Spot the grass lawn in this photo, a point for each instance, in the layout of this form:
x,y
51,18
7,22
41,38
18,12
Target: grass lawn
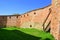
x,y
24,34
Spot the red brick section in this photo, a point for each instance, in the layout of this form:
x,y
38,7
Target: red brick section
x,y
55,22
3,21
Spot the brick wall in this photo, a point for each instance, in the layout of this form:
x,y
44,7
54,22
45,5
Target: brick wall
x,y
55,22
9,20
35,18
3,21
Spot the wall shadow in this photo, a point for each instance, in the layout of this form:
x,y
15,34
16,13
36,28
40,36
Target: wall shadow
x,y
16,35
47,39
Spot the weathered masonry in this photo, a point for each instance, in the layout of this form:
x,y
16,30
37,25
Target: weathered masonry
x,y
31,19
55,21
47,19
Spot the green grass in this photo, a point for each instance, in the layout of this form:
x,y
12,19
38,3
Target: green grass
x,y
24,34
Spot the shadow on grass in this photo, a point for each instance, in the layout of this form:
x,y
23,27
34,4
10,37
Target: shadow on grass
x,y
16,35
47,39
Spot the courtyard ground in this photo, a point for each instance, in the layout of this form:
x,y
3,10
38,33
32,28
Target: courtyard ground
x,y
24,34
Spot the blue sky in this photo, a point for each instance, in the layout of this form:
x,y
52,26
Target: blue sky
x,y
9,7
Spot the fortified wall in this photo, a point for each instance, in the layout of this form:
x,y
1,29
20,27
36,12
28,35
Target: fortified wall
x,y
33,19
55,21
47,19
8,20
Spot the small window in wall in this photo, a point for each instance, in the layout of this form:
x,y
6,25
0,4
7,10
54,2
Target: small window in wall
x,y
34,12
24,15
27,15
10,17
30,25
17,16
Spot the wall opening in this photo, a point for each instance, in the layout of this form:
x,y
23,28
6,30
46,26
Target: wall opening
x,y
30,25
27,15
10,17
34,12
17,16
24,15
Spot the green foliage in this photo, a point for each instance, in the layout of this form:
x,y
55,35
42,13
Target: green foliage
x,y
24,34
